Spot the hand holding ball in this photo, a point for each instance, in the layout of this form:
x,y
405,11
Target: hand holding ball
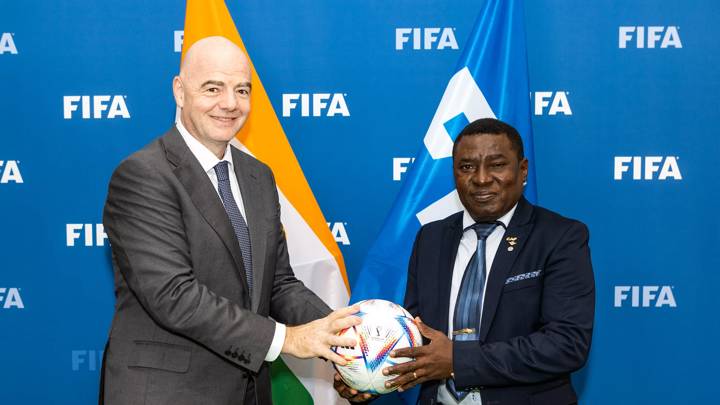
x,y
385,326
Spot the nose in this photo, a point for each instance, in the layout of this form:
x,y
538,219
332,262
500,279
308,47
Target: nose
x,y
229,101
482,175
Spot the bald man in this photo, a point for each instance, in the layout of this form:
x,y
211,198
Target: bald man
x,y
200,259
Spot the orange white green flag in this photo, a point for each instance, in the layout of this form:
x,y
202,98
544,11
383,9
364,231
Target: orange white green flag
x,y
314,254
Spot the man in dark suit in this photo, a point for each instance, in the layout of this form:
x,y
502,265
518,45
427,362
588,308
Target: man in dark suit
x,y
512,329
200,258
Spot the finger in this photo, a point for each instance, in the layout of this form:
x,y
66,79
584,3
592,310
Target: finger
x,y
418,377
409,352
338,382
339,386
399,369
425,330
360,397
411,384
399,381
343,312
334,357
344,323
341,341
345,391
342,390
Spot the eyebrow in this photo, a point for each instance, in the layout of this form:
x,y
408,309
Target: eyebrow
x,y
474,157
220,84
212,82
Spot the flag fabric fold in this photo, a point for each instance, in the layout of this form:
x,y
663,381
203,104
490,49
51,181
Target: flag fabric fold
x,y
491,81
314,254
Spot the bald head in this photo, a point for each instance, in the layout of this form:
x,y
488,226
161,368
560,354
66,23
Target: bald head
x,y
212,51
213,92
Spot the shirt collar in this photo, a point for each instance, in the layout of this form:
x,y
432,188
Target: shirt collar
x,y
505,219
207,159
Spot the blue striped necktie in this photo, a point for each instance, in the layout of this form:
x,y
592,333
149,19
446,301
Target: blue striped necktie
x,y
468,307
238,222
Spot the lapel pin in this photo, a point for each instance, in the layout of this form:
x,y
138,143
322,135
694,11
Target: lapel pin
x,y
512,241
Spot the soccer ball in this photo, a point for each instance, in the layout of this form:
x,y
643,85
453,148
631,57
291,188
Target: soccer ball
x,y
385,326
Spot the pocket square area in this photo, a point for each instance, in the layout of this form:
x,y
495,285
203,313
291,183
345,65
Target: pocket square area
x,y
523,276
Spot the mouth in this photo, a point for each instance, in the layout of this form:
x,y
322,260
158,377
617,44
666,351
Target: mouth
x,y
483,196
224,120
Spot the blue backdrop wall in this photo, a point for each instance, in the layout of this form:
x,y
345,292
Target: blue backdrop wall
x,y
625,96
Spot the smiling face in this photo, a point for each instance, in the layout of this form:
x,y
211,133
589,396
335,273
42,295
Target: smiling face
x,y
488,175
213,92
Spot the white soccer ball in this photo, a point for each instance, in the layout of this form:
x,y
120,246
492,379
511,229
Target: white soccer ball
x,y
385,326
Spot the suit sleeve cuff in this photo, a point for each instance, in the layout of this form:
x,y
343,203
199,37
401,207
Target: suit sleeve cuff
x,y
277,342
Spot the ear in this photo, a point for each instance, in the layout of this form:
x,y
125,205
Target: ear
x,y
178,91
524,169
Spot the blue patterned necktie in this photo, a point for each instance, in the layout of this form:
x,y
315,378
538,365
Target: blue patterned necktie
x,y
468,307
238,222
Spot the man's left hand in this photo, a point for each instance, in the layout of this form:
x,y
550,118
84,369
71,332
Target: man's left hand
x,y
348,393
432,362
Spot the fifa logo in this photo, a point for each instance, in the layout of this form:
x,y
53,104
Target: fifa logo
x,y
10,298
7,44
648,37
648,167
425,38
178,40
644,296
321,104
400,166
102,107
10,172
92,234
86,360
339,232
556,101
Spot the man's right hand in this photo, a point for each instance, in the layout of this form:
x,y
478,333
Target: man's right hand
x,y
315,338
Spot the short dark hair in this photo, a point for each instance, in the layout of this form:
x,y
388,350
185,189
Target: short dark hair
x,y
492,126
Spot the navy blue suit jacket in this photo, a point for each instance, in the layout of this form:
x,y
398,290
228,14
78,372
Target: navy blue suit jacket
x,y
538,311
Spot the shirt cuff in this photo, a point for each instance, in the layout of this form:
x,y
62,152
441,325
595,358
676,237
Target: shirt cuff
x,y
277,342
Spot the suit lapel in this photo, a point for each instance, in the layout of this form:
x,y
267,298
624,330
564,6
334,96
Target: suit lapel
x,y
249,189
448,250
519,228
203,195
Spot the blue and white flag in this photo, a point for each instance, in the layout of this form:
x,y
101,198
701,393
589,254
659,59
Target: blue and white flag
x,y
491,81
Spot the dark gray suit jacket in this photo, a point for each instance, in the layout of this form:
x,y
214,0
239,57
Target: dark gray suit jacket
x,y
185,330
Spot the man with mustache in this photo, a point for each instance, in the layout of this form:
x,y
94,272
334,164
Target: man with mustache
x,y
503,290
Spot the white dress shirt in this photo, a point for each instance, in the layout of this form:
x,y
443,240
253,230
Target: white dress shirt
x,y
208,161
468,246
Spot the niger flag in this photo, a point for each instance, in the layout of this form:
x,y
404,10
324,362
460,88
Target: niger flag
x,y
314,255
